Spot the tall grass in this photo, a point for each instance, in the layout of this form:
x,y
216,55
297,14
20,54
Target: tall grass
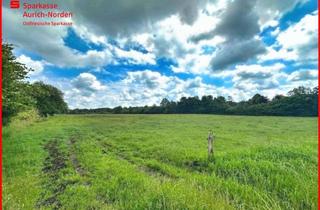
x,y
160,162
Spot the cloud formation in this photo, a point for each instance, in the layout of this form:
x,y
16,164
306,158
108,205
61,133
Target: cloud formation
x,y
239,26
239,22
48,42
36,66
236,52
302,37
304,75
87,84
123,17
239,47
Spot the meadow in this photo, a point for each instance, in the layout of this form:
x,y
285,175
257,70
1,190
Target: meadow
x,y
160,162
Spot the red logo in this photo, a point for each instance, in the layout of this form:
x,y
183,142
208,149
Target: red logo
x,y
14,4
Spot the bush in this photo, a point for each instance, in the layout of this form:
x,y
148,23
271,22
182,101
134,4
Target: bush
x,y
26,118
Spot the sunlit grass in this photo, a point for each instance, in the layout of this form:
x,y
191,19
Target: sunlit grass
x,y
160,162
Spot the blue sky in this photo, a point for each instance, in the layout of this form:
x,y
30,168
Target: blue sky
x,y
132,55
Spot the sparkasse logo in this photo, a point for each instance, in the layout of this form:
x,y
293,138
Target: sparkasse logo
x,y
14,4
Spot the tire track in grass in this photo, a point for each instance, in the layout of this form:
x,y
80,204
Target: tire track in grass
x,y
55,168
54,164
74,159
148,168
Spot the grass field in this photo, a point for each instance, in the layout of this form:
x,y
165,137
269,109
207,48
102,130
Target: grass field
x,y
160,162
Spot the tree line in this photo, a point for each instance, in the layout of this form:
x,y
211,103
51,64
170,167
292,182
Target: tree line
x,y
19,95
300,101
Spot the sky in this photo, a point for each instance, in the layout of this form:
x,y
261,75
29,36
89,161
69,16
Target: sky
x,y
134,53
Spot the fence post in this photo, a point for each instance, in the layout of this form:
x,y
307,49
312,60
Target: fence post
x,y
210,145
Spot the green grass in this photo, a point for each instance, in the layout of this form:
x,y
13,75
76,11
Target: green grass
x,y
160,162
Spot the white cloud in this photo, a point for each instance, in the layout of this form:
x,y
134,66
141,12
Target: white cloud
x,y
254,78
302,37
37,66
137,88
303,75
149,87
135,57
258,71
123,17
87,84
87,35
273,54
272,10
171,39
298,42
193,63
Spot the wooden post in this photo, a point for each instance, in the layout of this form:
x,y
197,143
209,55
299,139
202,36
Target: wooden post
x,y
210,145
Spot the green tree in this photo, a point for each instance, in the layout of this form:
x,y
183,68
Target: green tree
x,y
49,99
258,99
299,91
15,89
164,103
206,104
